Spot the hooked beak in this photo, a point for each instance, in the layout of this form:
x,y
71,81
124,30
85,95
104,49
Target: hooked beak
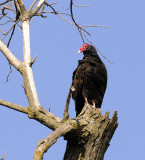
x,y
79,51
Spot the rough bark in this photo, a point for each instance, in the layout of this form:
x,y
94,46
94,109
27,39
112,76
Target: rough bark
x,y
91,140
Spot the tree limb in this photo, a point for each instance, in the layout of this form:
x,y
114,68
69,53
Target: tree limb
x,y
10,28
8,54
45,144
66,114
32,5
14,106
48,119
3,157
5,2
26,69
95,26
36,9
21,6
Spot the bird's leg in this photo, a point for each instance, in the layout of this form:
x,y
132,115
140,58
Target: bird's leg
x,y
86,100
93,106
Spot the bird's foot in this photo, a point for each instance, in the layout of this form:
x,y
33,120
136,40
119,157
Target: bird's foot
x,y
92,106
86,101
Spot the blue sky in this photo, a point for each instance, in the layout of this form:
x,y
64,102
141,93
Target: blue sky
x,y
56,43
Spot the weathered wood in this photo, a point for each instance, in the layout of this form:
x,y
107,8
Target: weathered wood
x,y
92,137
46,143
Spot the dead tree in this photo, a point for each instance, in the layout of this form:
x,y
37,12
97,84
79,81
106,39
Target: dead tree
x,y
88,136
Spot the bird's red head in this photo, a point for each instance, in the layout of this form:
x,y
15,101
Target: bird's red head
x,y
85,47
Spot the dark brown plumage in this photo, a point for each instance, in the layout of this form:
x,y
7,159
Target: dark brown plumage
x,y
89,79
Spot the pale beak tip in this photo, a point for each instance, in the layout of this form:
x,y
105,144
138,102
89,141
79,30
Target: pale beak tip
x,y
79,52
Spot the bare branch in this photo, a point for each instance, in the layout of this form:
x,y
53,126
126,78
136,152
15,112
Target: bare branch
x,y
13,20
58,13
8,54
32,5
71,11
14,106
104,56
44,117
10,71
33,60
2,32
38,6
3,157
5,2
8,8
95,26
21,6
53,3
66,20
6,22
17,5
66,114
97,48
82,5
10,29
46,143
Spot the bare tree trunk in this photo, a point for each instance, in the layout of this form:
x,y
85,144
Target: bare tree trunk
x,y
92,137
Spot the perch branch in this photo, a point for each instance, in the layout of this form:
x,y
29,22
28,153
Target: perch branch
x,y
45,144
14,106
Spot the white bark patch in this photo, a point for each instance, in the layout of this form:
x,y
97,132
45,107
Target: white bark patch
x,y
27,60
32,86
40,3
26,42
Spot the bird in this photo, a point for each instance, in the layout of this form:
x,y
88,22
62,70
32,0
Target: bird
x,y
89,80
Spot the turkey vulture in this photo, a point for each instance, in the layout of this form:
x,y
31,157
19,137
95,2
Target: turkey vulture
x,y
89,79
